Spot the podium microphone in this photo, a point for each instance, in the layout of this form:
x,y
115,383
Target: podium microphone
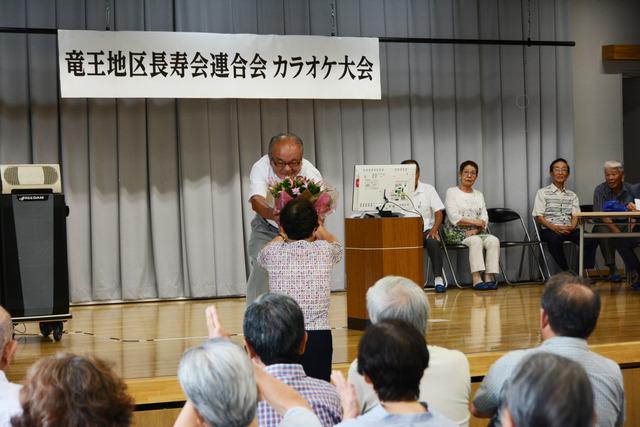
x,y
381,211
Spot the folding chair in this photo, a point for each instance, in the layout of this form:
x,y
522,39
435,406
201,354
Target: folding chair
x,y
506,215
537,229
446,248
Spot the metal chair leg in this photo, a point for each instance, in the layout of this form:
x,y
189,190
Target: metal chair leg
x,y
506,279
453,273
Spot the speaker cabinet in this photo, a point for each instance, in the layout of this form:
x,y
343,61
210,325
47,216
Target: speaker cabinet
x,y
33,254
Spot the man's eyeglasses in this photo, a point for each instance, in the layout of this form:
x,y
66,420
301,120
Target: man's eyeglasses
x,y
469,173
279,163
559,170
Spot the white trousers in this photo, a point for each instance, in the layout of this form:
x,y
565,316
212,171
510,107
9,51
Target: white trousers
x,y
477,260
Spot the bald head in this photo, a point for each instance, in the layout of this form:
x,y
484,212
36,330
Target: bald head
x,y
285,154
571,305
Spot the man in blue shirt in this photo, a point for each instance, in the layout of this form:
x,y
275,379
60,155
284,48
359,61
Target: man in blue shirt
x,y
569,314
615,189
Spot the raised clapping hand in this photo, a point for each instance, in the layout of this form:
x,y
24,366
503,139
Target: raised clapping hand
x,y
214,326
347,393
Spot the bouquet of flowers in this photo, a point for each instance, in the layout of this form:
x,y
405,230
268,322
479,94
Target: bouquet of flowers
x,y
322,197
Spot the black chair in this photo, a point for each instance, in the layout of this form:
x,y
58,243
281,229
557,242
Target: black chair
x,y
446,248
506,215
583,208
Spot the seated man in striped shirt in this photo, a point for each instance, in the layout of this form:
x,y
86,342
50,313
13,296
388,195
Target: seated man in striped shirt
x,y
554,210
274,333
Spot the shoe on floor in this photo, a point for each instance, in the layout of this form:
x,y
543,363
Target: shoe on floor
x,y
636,286
615,278
440,289
492,286
481,286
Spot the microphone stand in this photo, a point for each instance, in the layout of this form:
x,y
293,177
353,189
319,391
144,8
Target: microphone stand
x,y
381,211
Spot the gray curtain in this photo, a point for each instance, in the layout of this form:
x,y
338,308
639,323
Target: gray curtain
x,y
158,188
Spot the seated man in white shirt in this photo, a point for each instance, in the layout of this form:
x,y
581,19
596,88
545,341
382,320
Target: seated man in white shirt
x,y
9,392
446,383
427,202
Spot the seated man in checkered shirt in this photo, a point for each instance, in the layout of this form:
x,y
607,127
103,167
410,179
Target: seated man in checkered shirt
x,y
274,333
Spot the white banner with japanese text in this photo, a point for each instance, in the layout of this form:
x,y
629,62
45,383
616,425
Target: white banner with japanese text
x,y
146,64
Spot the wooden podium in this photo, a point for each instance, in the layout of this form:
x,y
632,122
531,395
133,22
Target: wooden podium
x,y
378,247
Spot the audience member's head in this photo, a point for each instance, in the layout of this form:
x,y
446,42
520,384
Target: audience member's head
x,y
71,390
274,329
395,297
299,219
571,306
7,343
613,173
218,379
393,355
547,390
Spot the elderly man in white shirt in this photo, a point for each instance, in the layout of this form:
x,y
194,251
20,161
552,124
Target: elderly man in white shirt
x,y
284,159
426,201
9,392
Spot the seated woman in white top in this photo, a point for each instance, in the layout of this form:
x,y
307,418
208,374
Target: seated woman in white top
x,y
466,223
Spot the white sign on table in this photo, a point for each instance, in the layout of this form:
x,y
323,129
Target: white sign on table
x,y
146,64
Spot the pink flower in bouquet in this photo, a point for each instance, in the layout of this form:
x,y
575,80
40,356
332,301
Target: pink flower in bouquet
x,y
282,200
295,191
324,204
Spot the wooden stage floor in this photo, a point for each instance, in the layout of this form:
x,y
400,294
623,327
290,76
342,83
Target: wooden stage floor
x,y
146,340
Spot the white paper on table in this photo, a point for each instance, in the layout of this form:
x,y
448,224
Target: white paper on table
x,y
637,202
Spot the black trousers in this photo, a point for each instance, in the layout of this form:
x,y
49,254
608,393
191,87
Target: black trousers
x,y
625,248
316,359
554,241
434,252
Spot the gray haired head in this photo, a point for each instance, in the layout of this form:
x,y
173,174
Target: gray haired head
x,y
6,329
217,377
548,390
613,164
274,327
288,136
395,297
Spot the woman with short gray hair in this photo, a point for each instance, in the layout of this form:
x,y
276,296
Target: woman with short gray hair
x,y
222,386
218,379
